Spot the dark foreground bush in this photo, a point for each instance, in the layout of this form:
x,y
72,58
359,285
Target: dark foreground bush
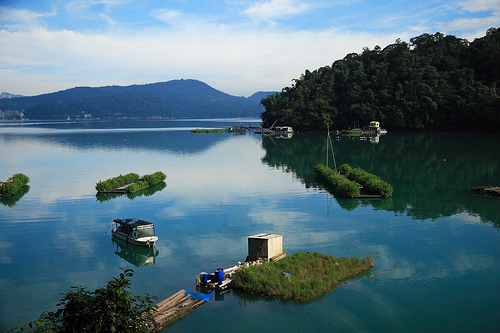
x,y
13,184
336,181
112,308
301,277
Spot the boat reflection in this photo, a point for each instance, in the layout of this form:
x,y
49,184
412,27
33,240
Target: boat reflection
x,y
137,256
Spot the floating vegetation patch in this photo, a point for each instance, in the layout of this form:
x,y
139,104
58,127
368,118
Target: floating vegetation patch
x,y
129,183
372,182
116,182
337,182
13,185
210,131
301,277
351,182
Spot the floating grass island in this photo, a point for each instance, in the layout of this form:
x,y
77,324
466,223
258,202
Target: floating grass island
x,y
210,131
13,185
129,183
148,191
301,277
351,181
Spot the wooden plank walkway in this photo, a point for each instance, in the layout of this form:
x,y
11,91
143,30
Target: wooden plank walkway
x,y
176,307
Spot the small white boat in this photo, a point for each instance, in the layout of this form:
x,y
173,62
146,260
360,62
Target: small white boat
x,y
134,231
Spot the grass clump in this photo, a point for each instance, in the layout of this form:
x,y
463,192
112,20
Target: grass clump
x,y
372,182
136,186
154,178
112,183
13,184
208,131
136,182
337,182
301,277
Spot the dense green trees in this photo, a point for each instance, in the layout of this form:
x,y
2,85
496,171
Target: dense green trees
x,y
434,82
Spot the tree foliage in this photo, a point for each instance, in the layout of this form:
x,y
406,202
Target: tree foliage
x,y
434,82
112,308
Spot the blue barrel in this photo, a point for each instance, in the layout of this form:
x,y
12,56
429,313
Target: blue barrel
x,y
205,278
219,275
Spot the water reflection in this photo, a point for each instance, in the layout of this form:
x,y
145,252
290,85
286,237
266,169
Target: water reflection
x,y
168,136
242,185
431,173
11,200
136,255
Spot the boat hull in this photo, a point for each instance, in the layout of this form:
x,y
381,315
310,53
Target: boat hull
x,y
144,242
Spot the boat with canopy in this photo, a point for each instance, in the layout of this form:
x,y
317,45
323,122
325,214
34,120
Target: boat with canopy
x,y
134,231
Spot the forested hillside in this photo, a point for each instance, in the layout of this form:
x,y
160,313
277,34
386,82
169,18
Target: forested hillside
x,y
176,98
435,82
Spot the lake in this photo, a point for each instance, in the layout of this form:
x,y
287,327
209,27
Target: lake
x,y
442,239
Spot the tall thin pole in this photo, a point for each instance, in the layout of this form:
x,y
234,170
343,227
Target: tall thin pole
x,y
329,144
327,136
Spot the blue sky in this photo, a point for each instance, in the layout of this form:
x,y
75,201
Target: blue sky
x,y
237,46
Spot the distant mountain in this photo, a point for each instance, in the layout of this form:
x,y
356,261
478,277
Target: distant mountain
x,y
258,96
7,95
176,98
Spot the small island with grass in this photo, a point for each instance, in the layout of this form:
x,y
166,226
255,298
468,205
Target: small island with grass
x,y
300,277
13,185
129,183
353,182
210,131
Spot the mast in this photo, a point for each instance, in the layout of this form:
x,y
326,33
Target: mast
x,y
329,144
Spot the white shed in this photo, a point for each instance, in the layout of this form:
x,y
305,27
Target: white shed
x,y
265,246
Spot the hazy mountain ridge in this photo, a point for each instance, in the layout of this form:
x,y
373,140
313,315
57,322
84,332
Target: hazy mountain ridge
x,y
176,98
9,95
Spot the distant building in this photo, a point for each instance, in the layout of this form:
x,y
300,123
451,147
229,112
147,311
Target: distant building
x,y
10,114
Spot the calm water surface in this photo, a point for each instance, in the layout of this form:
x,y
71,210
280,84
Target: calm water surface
x,y
443,239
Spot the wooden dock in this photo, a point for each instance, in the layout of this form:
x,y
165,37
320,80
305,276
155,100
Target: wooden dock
x,y
177,307
487,189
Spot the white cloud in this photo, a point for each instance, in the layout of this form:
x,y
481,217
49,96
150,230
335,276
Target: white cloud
x,y
229,58
480,5
486,15
166,15
21,19
226,50
274,9
80,6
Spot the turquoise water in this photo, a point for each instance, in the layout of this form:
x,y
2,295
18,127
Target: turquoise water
x,y
443,239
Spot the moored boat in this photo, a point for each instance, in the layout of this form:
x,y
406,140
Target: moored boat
x,y
134,231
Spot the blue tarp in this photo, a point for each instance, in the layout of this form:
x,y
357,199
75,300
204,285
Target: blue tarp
x,y
195,295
